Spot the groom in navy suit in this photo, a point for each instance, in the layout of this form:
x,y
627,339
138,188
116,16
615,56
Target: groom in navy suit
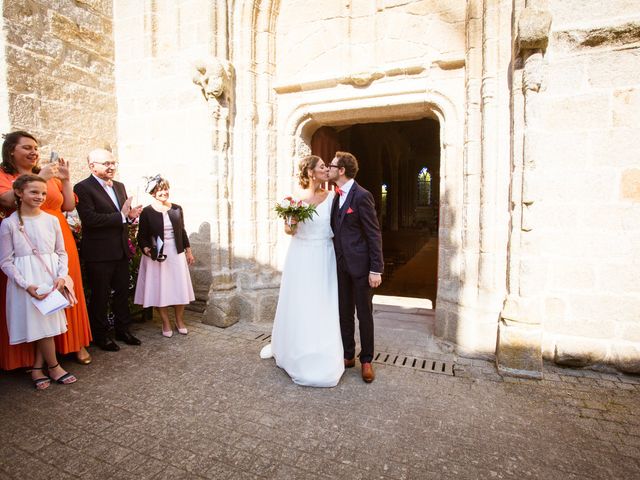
x,y
358,245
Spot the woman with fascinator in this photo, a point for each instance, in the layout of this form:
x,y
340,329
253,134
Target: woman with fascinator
x,y
163,278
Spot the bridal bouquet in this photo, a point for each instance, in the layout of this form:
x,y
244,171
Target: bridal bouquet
x,y
289,209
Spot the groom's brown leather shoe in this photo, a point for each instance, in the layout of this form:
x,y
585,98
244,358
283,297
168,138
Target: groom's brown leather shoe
x,y
367,372
349,363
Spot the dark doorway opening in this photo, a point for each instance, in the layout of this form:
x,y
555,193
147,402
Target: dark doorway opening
x,y
400,166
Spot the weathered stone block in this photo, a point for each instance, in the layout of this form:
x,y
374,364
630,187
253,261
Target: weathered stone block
x,y
626,107
594,35
519,350
577,113
267,308
570,275
440,327
225,309
618,278
24,109
521,310
222,281
451,11
581,187
201,278
81,36
554,310
475,332
629,331
533,278
588,12
573,351
626,356
614,69
596,315
566,76
533,29
447,322
630,185
617,147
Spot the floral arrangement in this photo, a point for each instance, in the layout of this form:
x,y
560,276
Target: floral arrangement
x,y
290,209
74,224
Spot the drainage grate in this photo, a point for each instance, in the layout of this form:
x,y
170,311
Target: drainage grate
x,y
422,364
395,360
263,337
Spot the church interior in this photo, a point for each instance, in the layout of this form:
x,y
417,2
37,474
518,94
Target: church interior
x,y
400,165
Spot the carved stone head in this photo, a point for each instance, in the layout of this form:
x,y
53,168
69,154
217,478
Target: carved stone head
x,y
215,77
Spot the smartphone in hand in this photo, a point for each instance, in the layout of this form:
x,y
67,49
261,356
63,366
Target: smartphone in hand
x,y
54,157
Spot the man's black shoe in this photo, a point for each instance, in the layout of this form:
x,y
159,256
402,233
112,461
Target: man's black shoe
x,y
127,338
107,344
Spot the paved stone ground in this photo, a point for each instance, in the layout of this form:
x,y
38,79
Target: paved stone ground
x,y
205,406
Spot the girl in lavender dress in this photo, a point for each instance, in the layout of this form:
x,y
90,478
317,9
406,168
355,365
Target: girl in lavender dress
x,y
163,278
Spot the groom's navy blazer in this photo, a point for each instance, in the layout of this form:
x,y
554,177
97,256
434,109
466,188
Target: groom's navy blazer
x,y
357,238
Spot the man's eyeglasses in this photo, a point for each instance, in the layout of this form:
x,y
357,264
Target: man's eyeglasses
x,y
334,166
107,164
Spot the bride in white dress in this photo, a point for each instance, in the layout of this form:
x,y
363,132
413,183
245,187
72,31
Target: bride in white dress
x,y
305,340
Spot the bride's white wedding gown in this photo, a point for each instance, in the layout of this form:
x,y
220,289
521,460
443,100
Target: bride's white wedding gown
x,y
306,340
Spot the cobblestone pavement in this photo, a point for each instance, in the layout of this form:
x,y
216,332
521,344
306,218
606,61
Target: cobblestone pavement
x,y
206,406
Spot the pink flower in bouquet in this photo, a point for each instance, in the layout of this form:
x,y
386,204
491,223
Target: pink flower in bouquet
x,y
286,202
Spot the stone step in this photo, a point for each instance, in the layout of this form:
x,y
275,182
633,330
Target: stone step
x,y
405,305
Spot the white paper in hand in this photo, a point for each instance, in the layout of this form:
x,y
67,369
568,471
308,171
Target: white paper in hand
x,y
51,303
159,244
44,288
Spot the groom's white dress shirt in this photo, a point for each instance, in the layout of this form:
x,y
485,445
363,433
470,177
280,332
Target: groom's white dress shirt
x,y
345,191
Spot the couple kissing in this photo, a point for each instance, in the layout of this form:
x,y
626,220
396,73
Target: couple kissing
x,y
333,263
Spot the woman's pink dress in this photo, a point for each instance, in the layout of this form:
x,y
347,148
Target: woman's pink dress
x,y
162,284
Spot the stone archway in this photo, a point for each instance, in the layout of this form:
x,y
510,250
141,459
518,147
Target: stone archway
x,y
305,120
276,116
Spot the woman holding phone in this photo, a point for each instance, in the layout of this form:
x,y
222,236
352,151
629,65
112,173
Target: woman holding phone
x,y
21,155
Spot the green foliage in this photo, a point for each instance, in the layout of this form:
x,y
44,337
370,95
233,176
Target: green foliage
x,y
289,208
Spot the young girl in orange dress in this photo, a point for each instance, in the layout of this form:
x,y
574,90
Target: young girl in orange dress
x,y
20,155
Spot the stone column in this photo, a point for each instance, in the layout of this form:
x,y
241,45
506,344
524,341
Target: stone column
x,y
216,78
519,348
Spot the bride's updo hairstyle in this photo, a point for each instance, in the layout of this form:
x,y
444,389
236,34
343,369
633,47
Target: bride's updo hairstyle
x,y
307,163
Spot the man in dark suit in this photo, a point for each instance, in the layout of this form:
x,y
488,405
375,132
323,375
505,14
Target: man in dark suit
x,y
105,213
358,244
